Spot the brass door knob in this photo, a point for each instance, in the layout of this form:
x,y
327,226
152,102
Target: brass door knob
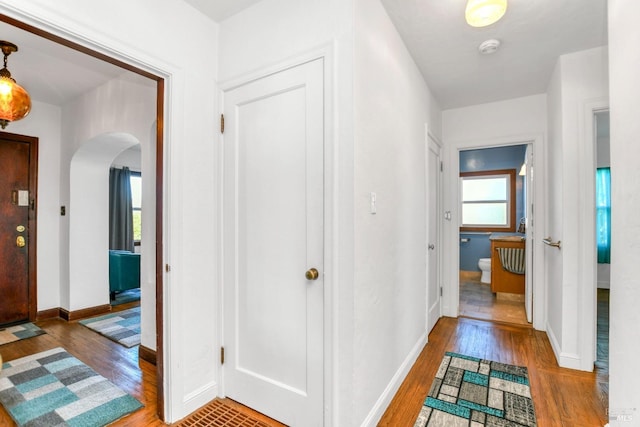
x,y
20,242
312,274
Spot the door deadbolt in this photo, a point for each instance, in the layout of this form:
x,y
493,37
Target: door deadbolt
x,y
312,274
20,228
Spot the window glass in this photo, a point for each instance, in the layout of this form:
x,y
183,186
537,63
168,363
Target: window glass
x,y
488,200
136,198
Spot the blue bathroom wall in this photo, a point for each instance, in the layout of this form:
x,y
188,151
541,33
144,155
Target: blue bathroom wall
x,y
477,245
472,248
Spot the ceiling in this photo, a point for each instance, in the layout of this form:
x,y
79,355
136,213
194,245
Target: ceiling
x,y
533,35
219,10
50,72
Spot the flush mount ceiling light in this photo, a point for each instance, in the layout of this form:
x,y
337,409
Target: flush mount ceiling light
x,y
15,103
480,13
488,47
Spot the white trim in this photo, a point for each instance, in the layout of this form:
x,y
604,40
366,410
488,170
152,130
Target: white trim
x,y
200,397
565,360
326,53
587,252
391,389
452,286
323,51
432,141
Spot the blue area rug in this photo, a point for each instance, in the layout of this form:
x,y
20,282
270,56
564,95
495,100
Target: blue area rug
x,y
19,332
126,296
468,391
53,388
122,327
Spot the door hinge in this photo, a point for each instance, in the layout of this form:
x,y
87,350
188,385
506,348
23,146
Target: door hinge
x,y
167,268
221,123
441,167
222,355
440,290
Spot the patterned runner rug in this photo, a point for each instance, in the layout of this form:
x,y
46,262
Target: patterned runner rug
x,y
53,388
468,391
122,327
19,332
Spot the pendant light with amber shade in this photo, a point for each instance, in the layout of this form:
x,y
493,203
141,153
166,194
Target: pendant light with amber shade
x,y
15,103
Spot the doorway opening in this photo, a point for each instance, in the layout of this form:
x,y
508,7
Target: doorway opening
x,y
78,57
494,263
603,236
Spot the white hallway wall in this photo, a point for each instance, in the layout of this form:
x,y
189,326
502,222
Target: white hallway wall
x,y
190,376
95,118
392,104
374,298
578,79
624,62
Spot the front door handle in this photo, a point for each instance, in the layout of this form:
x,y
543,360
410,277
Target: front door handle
x,y
20,242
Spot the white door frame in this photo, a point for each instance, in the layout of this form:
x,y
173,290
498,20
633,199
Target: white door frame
x,y
587,253
430,140
326,54
451,299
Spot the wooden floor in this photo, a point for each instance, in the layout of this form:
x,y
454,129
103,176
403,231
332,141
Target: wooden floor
x,y
478,302
111,360
562,397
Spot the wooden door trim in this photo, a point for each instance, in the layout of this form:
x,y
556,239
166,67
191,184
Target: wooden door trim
x,y
159,182
32,240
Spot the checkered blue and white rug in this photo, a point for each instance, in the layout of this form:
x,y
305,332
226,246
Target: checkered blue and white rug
x,y
468,391
122,327
19,332
53,388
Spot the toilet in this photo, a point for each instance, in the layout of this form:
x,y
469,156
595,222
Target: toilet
x,y
485,266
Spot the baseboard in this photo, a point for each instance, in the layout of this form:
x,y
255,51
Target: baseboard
x,y
198,398
470,275
564,360
52,313
146,354
70,316
390,391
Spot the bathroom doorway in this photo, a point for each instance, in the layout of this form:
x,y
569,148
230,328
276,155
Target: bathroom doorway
x,y
495,197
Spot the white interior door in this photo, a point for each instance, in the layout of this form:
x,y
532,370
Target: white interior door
x,y
273,237
528,281
434,298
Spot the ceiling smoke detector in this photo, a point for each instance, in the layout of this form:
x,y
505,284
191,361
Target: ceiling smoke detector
x,y
488,47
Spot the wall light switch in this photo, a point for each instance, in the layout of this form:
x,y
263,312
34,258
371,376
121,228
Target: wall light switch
x,y
374,200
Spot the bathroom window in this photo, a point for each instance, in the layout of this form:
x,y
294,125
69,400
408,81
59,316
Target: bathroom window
x,y
488,200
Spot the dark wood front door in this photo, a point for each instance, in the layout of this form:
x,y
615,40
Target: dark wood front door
x,y
18,186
